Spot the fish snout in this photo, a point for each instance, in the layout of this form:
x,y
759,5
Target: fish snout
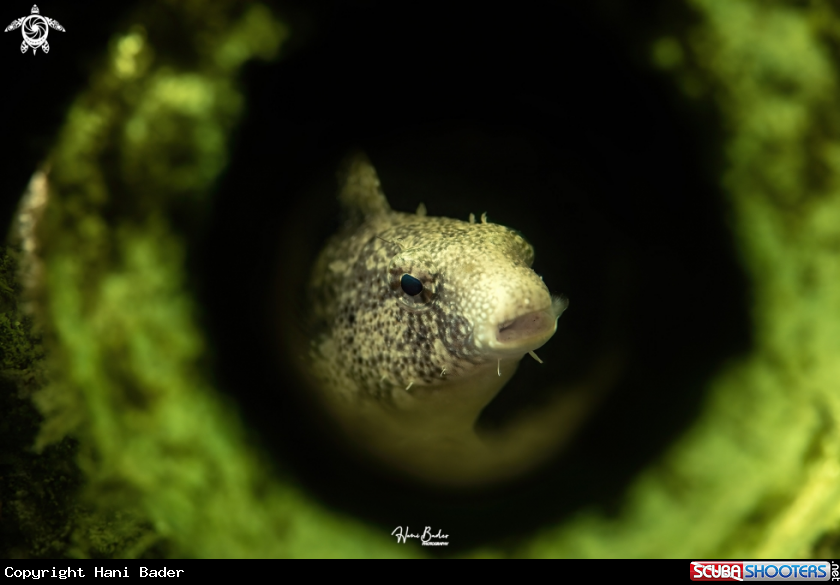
x,y
523,318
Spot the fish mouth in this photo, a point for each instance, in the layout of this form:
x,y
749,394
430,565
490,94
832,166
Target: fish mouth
x,y
529,331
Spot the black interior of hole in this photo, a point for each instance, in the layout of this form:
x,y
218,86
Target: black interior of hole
x,y
544,121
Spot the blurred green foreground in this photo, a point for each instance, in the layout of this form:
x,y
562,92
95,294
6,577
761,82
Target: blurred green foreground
x,y
162,467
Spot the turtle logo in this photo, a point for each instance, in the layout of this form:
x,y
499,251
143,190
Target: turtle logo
x,y
35,28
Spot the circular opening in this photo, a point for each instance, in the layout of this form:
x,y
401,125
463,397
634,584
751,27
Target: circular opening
x,y
547,126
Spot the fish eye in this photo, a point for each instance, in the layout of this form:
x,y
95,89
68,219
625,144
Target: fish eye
x,y
413,279
410,285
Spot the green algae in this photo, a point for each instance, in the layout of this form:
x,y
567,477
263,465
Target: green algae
x,y
168,469
759,474
160,464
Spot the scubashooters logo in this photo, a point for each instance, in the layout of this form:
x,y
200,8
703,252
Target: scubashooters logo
x,y
35,29
764,571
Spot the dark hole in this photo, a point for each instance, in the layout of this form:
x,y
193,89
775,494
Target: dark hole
x,y
549,123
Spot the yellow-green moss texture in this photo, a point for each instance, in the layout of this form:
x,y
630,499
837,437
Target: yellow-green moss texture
x,y
165,458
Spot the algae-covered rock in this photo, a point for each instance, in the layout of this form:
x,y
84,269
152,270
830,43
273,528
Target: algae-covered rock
x,y
165,462
141,447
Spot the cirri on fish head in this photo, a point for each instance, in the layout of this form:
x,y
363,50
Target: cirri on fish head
x,y
421,320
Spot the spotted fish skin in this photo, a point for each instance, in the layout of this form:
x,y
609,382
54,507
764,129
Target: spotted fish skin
x,y
413,371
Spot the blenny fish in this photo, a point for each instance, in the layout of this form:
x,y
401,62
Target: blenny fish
x,y
420,322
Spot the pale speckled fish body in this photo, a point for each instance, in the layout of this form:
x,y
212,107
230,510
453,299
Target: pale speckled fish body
x,y
418,316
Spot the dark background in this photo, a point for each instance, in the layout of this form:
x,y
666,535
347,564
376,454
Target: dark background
x,y
548,119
